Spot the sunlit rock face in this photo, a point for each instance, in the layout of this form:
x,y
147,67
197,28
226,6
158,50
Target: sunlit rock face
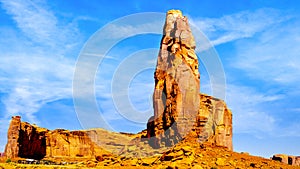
x,y
25,140
29,141
214,122
12,146
179,110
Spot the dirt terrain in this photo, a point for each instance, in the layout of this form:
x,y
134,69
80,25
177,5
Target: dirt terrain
x,y
188,153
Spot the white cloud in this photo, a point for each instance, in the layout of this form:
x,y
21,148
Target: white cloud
x,y
270,57
269,42
288,131
134,25
249,113
274,55
30,83
35,21
262,113
127,86
240,25
36,62
38,23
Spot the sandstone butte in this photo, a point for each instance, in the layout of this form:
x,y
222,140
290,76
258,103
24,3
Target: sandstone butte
x,y
188,129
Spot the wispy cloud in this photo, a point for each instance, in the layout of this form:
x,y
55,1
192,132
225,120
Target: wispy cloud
x,y
250,114
36,64
133,25
30,83
240,25
291,130
39,23
271,58
127,95
36,22
274,54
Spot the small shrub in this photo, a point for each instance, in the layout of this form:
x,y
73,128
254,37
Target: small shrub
x,y
8,160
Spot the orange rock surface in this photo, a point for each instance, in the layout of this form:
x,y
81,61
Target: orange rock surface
x,y
29,141
191,130
179,109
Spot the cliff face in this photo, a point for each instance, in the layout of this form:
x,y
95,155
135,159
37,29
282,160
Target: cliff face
x,y
32,141
214,122
64,143
29,141
25,140
179,110
12,146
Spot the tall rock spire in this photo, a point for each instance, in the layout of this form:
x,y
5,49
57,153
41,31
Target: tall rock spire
x,y
179,108
176,95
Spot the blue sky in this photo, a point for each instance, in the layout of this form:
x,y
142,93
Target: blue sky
x,y
257,43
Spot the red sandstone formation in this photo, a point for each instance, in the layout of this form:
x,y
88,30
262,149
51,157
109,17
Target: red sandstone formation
x,y
178,107
214,122
29,141
176,94
12,146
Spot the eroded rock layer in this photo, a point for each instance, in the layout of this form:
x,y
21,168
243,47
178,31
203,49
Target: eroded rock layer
x,y
30,141
12,146
214,122
179,110
175,98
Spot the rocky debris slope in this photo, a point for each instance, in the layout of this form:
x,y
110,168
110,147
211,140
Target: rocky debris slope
x,y
186,154
213,127
178,107
190,153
